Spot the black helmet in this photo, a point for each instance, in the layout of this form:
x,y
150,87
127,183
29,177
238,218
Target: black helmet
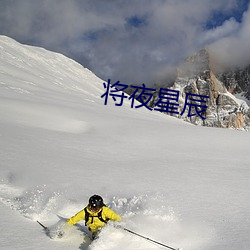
x,y
95,202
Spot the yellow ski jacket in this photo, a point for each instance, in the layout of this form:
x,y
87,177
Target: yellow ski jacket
x,y
94,223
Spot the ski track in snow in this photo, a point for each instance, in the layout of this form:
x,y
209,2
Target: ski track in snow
x,y
145,214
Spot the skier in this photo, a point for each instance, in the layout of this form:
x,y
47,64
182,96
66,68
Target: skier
x,y
95,214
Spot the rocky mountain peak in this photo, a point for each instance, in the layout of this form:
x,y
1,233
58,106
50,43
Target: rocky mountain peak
x,y
194,65
196,75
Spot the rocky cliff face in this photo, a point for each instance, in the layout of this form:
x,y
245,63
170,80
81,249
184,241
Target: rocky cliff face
x,y
228,94
196,76
237,81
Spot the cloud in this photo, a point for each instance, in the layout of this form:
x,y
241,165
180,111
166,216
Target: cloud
x,y
132,41
228,28
232,50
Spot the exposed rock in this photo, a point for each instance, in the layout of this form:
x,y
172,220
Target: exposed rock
x,y
237,81
195,76
224,110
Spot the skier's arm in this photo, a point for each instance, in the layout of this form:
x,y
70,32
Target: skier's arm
x,y
110,214
77,217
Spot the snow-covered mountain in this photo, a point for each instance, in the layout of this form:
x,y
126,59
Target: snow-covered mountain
x,y
182,185
225,110
225,93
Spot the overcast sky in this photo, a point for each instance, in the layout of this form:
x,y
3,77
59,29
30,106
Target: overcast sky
x,y
135,41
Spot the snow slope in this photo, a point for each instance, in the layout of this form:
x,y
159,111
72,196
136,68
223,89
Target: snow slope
x,y
176,183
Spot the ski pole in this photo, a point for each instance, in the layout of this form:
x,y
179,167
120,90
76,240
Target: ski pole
x,y
146,238
45,228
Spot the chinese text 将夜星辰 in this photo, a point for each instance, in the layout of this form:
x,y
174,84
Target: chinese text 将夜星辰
x,y
167,99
